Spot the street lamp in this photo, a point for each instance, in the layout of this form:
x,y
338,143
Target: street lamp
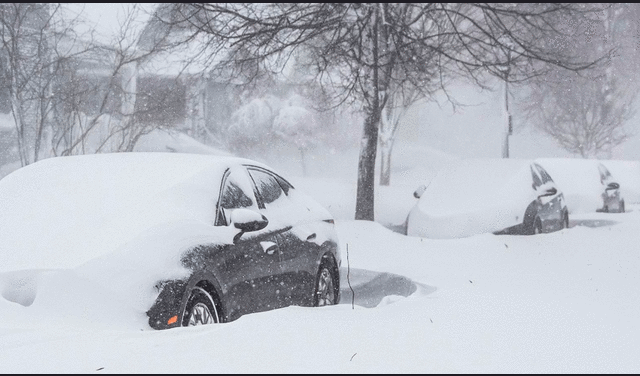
x,y
508,128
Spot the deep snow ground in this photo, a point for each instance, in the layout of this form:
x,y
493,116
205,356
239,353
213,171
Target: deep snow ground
x,y
566,302
561,302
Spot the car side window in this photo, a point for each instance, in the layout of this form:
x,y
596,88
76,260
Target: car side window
x,y
536,179
544,174
285,185
268,187
604,173
235,194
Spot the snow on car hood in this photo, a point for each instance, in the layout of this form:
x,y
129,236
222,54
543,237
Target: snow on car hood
x,y
62,212
474,196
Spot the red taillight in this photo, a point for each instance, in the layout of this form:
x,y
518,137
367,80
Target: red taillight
x,y
172,320
329,221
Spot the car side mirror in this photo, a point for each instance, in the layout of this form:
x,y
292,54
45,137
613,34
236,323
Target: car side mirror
x,y
247,220
551,191
613,185
419,191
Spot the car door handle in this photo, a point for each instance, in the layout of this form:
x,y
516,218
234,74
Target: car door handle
x,y
269,247
311,237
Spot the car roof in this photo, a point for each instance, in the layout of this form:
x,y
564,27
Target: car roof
x,y
471,184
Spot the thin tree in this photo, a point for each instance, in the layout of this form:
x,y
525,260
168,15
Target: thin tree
x,y
397,106
69,94
359,50
32,47
97,109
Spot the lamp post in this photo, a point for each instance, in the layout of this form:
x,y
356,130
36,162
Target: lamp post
x,y
508,128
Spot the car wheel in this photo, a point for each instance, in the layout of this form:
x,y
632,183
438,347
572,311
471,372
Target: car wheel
x,y
622,206
200,309
605,209
325,291
565,220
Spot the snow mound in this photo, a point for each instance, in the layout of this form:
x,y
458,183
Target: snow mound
x,y
473,196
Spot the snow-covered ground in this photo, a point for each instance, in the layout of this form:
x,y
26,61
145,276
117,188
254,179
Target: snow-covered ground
x,y
565,302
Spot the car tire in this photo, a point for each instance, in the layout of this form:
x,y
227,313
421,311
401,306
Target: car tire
x,y
622,206
325,291
200,309
605,209
565,220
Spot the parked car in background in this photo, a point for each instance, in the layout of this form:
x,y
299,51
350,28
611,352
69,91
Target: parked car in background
x,y
189,239
612,200
500,196
587,184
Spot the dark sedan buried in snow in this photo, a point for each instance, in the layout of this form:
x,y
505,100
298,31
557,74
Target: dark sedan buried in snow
x,y
190,239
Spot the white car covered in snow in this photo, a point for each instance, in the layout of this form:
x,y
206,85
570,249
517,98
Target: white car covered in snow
x,y
501,196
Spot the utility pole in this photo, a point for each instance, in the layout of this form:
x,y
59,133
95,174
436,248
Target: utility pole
x,y
508,128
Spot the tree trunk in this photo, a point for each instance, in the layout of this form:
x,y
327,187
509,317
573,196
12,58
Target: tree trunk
x,y
367,164
385,162
365,194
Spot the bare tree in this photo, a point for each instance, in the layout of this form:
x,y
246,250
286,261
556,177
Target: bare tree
x,y
96,107
69,93
359,51
262,122
584,115
31,37
251,126
296,124
397,106
587,114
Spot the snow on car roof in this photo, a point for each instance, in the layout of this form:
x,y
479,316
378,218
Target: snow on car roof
x,y
67,210
471,185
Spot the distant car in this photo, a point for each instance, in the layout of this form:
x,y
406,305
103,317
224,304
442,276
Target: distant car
x,y
192,239
612,201
500,196
587,184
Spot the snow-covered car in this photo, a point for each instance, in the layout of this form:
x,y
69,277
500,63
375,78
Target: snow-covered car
x,y
612,200
587,184
500,196
187,239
